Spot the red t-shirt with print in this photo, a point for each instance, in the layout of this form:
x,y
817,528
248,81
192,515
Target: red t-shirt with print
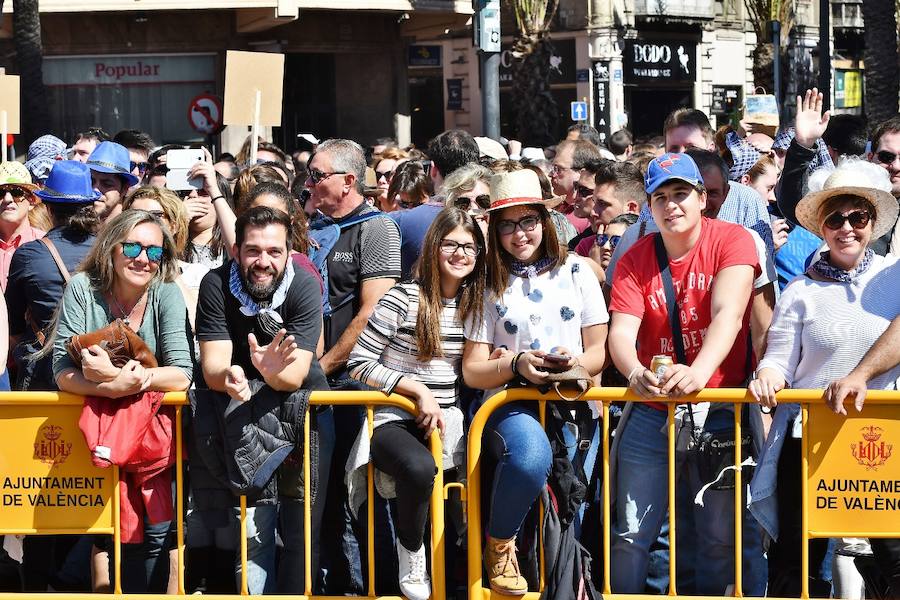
x,y
638,290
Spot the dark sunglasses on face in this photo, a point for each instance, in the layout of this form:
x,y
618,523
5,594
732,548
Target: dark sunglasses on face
x,y
584,192
134,249
886,157
857,218
465,203
450,247
388,175
507,227
16,192
140,166
613,240
317,176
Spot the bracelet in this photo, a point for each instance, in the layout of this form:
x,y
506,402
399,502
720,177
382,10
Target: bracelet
x,y
514,365
217,198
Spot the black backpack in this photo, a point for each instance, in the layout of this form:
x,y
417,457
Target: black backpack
x,y
567,563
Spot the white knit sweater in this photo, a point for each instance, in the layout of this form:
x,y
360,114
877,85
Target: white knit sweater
x,y
822,329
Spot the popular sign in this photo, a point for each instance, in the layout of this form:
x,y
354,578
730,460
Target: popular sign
x,y
853,480
47,480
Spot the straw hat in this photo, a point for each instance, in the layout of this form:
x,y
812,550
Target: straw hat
x,y
15,173
517,188
852,178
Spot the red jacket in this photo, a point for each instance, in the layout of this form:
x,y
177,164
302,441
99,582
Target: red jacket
x,y
137,434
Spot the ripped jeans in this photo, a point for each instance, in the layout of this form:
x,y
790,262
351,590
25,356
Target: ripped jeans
x,y
704,534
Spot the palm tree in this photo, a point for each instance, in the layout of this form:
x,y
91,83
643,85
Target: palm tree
x,y
533,104
35,117
760,14
880,24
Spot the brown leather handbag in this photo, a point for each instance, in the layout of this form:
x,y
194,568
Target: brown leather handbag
x,y
120,342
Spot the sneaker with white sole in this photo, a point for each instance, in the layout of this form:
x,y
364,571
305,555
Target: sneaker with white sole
x,y
414,581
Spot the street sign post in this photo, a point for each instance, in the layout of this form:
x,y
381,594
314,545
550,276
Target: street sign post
x,y
205,114
579,111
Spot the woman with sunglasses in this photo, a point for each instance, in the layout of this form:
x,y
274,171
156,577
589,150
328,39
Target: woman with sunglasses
x,y
165,205
413,345
468,188
128,275
410,187
385,167
543,311
824,323
17,201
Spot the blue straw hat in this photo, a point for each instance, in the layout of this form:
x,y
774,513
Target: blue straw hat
x,y
110,157
69,182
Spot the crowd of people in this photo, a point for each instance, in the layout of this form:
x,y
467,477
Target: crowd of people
x,y
447,274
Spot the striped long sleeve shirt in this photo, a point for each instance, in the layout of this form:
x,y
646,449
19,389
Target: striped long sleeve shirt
x,y
386,349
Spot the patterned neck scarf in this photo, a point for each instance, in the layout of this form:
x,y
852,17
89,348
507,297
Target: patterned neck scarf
x,y
527,271
824,267
265,311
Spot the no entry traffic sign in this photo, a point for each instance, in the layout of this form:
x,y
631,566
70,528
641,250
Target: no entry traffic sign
x,y
205,114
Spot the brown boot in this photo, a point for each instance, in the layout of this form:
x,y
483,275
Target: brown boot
x,y
503,567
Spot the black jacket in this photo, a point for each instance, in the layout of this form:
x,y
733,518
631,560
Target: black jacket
x,y
239,453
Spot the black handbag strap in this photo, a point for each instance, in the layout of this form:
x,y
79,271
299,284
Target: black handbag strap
x,y
662,260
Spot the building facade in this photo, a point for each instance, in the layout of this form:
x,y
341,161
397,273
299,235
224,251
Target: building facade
x,y
136,64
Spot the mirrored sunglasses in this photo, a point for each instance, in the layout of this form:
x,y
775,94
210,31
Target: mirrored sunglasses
x,y
134,249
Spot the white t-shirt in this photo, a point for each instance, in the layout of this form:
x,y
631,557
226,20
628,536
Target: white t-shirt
x,y
543,312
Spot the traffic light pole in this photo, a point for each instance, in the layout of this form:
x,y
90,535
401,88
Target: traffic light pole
x,y
490,93
487,40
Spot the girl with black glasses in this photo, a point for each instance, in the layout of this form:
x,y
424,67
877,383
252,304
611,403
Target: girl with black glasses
x,y
413,345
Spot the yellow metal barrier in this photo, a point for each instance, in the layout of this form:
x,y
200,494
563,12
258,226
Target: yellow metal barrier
x,y
825,445
828,445
35,406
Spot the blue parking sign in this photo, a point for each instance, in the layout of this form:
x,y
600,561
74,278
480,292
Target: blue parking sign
x,y
579,111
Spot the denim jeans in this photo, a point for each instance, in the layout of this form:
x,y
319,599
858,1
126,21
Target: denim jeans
x,y
517,442
705,534
288,515
260,548
291,567
145,566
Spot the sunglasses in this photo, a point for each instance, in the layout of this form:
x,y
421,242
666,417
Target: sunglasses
x,y
140,166
450,247
318,176
886,157
857,218
465,203
582,191
388,175
134,249
613,240
16,192
507,227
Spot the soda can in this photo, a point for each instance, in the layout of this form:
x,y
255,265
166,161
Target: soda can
x,y
660,364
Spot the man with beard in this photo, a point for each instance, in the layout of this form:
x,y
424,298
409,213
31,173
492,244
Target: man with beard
x,y
110,166
259,318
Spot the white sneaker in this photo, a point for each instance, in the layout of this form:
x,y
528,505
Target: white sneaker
x,y
414,581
